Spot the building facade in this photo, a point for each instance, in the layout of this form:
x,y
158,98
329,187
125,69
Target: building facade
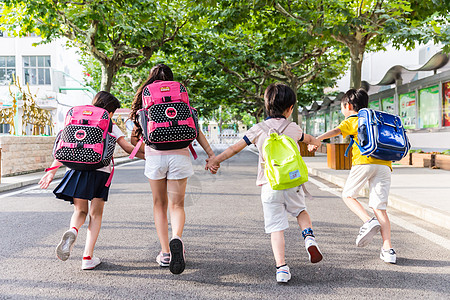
x,y
412,84
50,73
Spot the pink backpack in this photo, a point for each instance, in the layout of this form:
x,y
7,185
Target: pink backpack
x,y
85,143
167,119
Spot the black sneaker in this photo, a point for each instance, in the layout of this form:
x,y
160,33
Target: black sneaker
x,y
177,259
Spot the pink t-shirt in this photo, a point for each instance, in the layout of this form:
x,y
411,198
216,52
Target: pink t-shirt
x,y
256,135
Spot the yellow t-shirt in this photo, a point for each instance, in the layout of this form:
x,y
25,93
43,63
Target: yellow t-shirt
x,y
350,127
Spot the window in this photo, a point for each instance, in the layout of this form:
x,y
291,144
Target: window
x,y
429,107
4,128
7,69
408,110
446,105
37,70
375,105
388,105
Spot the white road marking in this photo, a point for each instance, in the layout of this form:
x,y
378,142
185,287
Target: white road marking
x,y
432,237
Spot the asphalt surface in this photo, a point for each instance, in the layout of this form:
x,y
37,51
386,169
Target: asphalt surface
x,y
228,254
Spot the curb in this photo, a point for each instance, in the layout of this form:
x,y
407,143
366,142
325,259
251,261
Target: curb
x,y
426,213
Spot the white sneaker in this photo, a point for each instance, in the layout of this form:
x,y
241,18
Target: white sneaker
x,y
388,256
283,274
313,250
90,263
163,259
367,232
66,244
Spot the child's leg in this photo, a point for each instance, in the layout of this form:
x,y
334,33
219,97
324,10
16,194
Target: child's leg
x,y
176,190
303,220
80,211
385,227
95,223
358,177
159,192
357,208
278,245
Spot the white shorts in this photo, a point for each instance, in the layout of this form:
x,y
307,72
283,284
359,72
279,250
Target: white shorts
x,y
379,179
278,203
172,167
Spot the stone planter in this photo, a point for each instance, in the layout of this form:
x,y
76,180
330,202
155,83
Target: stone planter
x,y
420,159
304,150
336,157
442,161
405,160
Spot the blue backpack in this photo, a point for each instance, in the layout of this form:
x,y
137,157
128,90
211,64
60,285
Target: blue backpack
x,y
381,135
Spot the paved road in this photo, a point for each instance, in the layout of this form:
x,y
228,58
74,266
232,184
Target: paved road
x,y
229,255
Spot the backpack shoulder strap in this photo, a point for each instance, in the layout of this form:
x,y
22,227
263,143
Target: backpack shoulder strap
x,y
284,125
264,127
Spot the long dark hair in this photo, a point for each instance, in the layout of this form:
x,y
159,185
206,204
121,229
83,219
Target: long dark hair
x,y
158,72
106,101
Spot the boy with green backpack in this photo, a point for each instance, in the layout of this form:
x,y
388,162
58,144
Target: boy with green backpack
x,y
281,173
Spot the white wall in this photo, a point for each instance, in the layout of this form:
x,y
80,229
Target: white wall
x,y
376,64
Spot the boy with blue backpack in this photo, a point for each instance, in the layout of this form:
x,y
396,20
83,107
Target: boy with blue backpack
x,y
281,173
375,171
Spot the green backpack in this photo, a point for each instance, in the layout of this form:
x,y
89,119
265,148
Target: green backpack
x,y
283,165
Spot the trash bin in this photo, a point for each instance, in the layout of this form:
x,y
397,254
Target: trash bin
x,y
336,157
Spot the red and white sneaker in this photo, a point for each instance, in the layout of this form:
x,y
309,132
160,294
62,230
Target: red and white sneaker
x,y
177,258
66,244
313,250
90,263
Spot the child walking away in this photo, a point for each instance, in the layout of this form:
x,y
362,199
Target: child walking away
x,y
167,124
365,169
284,194
88,178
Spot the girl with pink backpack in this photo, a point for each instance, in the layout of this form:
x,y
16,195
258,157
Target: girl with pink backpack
x,y
86,181
167,124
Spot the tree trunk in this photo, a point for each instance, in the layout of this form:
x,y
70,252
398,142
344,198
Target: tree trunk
x,y
108,73
294,87
357,57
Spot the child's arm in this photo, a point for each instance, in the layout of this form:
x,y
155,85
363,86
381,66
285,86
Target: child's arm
x,y
201,138
213,164
329,134
48,176
128,147
310,140
135,140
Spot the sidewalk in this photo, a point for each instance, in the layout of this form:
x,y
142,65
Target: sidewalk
x,y
421,192
14,182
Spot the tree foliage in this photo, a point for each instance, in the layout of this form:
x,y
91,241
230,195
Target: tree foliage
x,y
364,25
118,33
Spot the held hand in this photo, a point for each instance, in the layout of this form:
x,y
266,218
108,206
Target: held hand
x,y
312,148
46,180
212,165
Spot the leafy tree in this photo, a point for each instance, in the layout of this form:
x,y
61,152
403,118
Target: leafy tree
x,y
255,46
119,33
362,25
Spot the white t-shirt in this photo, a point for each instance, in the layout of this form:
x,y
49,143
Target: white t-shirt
x,y
117,133
256,135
